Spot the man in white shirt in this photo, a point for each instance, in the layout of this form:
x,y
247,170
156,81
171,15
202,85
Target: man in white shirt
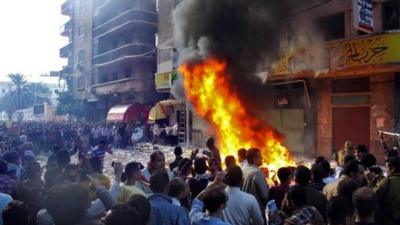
x,y
241,208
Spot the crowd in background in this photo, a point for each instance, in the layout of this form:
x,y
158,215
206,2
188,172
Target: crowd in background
x,y
200,189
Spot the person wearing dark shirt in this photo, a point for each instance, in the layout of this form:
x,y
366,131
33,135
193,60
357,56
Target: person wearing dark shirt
x,y
278,192
201,179
178,157
365,203
317,177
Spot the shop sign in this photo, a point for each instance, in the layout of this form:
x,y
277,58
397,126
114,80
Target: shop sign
x,y
363,15
165,80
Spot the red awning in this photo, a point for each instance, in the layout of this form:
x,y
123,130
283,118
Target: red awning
x,y
117,113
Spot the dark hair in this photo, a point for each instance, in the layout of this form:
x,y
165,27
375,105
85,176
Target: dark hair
x,y
214,198
298,195
230,161
200,166
242,153
319,159
252,153
178,150
284,174
392,153
347,187
326,167
55,149
103,142
349,158
67,204
16,213
337,209
11,157
3,167
63,158
159,181
142,207
122,214
95,163
233,176
394,163
175,187
365,201
33,169
210,141
302,175
50,176
154,155
351,167
368,160
184,165
130,169
362,148
317,172
376,170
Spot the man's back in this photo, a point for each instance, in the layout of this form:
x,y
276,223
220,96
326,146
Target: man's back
x,y
241,208
163,212
255,183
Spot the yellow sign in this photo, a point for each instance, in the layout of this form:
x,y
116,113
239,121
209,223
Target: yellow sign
x,y
378,49
163,80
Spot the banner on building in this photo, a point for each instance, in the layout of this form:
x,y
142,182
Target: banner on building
x,y
363,15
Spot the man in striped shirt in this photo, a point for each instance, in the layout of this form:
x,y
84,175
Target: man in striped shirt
x,y
100,150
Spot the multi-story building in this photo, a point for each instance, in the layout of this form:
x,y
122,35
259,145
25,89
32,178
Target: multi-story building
x,y
112,53
356,92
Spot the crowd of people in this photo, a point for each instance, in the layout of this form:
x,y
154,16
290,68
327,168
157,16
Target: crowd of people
x,y
198,189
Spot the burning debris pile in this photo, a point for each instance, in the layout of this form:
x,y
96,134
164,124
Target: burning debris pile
x,y
222,45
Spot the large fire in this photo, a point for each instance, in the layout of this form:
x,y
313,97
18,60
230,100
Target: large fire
x,y
208,88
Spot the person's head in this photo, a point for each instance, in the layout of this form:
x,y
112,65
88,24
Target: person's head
x,y
33,170
393,164
27,159
242,154
339,211
215,200
317,172
103,144
230,161
368,160
122,214
55,149
159,181
178,151
297,197
11,157
132,172
210,142
185,167
365,203
254,157
157,160
67,204
3,167
16,213
96,165
71,172
302,175
347,187
50,176
63,158
392,153
178,188
360,150
200,166
326,167
349,158
142,207
233,176
284,175
354,170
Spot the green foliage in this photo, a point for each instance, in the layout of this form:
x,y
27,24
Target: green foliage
x,y
68,105
24,95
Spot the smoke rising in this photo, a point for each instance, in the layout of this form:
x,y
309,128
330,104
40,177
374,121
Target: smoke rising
x,y
244,33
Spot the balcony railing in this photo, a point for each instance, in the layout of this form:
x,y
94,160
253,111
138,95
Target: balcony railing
x,y
66,70
120,86
66,8
103,25
126,50
66,50
66,29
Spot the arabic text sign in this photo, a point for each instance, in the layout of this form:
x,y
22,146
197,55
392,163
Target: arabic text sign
x,y
363,15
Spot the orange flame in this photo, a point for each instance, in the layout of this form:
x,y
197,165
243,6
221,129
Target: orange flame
x,y
207,87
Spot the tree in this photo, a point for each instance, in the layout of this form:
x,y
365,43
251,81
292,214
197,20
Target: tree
x,y
23,95
68,105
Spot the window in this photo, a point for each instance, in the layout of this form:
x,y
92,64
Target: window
x,y
332,27
350,85
115,76
81,56
82,30
391,15
81,82
128,72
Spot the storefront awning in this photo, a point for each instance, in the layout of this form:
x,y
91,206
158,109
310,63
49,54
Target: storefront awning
x,y
117,113
163,109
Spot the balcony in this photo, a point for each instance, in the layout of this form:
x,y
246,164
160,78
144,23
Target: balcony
x,y
120,86
66,8
66,29
66,70
164,81
128,18
66,50
123,51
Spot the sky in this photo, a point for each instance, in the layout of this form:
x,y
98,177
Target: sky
x,y
30,38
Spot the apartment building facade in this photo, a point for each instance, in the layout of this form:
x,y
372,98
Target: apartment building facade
x,y
112,51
